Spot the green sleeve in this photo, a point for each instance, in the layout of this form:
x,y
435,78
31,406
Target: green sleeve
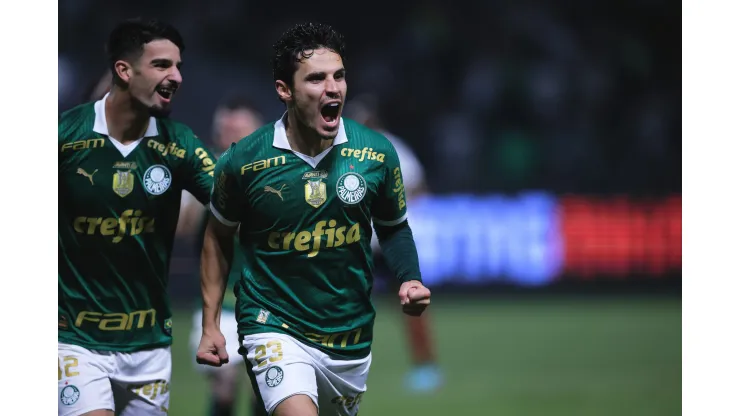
x,y
399,250
389,208
199,167
389,221
225,201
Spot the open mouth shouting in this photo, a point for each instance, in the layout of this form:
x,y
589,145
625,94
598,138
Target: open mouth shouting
x,y
166,92
330,113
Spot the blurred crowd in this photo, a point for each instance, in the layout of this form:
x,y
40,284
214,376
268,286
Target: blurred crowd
x,y
493,97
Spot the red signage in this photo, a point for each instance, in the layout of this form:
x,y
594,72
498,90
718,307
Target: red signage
x,y
620,236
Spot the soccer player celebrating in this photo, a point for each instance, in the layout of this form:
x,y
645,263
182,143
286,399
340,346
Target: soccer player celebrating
x,y
306,192
122,167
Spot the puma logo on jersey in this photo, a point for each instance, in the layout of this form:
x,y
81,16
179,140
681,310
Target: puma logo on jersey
x,y
278,192
87,175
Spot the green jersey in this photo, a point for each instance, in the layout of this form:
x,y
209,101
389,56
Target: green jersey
x,y
305,230
118,210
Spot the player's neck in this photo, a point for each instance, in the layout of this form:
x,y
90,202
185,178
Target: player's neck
x,y
303,139
126,123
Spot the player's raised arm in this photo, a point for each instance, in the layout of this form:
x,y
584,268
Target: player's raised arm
x,y
396,239
216,257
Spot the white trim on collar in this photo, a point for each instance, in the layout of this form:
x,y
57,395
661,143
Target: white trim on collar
x,y
280,139
101,125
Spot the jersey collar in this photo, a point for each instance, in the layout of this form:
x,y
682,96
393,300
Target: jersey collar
x,y
101,125
280,139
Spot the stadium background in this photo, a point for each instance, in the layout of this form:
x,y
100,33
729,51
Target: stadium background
x,y
550,135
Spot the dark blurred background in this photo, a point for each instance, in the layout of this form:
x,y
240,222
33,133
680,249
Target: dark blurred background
x,y
525,94
550,139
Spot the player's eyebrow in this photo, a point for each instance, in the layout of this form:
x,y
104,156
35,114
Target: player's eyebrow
x,y
164,62
317,75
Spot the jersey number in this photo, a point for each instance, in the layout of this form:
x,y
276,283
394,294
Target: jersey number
x,y
276,353
69,364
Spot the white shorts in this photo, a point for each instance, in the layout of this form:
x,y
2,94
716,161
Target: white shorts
x,y
135,383
230,330
283,367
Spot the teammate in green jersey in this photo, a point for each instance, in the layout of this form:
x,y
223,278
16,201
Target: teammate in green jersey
x,y
306,192
122,167
233,119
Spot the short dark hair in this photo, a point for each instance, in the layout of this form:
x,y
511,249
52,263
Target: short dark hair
x,y
237,102
127,39
291,48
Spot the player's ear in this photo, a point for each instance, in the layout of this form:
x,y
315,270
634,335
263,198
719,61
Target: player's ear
x,y
123,70
283,91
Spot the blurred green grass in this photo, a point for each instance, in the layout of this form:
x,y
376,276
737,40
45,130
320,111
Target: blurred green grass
x,y
551,356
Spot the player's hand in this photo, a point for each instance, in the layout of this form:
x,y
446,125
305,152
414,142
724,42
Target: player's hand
x,y
415,297
212,349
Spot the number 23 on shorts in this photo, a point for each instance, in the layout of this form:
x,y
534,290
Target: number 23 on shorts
x,y
275,350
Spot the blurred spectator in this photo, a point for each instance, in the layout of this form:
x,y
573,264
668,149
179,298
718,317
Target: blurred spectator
x,y
234,118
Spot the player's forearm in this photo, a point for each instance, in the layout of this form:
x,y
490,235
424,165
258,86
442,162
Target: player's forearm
x,y
399,251
216,256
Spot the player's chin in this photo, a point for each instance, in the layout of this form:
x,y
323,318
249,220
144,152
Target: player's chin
x,y
328,129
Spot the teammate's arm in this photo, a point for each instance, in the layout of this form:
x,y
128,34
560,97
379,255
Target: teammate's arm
x,y
216,257
396,239
199,168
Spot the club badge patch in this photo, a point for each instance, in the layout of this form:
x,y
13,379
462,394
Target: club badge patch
x,y
273,376
157,179
69,395
351,188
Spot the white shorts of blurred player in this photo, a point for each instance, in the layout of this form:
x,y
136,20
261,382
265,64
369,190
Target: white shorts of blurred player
x,y
128,383
283,367
230,330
